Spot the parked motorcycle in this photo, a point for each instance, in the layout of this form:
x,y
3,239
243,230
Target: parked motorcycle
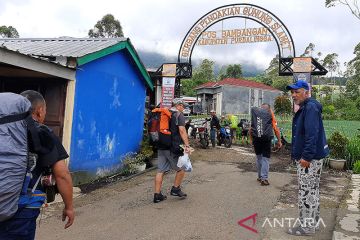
x,y
203,133
284,142
225,136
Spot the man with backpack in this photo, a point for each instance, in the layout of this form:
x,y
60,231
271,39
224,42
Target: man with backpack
x,y
49,156
168,155
263,124
309,147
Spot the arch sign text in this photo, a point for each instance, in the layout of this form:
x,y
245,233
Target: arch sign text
x,y
273,28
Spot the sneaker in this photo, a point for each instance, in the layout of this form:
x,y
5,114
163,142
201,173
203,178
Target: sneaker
x,y
265,183
158,197
176,191
258,179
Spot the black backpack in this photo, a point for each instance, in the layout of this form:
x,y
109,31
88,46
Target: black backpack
x,y
261,123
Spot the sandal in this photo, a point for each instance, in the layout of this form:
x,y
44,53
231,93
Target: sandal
x,y
300,231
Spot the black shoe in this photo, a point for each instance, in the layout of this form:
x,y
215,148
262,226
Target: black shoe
x,y
158,197
176,191
265,183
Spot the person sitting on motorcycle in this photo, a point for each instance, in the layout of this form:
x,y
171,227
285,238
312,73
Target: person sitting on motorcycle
x,y
224,122
214,126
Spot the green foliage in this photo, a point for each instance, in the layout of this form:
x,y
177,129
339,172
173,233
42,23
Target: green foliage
x,y
201,74
8,32
352,5
327,90
282,105
352,90
308,50
281,83
328,112
337,145
353,151
107,27
232,71
146,149
357,103
356,167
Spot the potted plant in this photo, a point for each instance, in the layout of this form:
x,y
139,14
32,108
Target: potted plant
x,y
337,145
133,163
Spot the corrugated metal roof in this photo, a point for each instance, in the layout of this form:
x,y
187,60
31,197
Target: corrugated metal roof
x,y
58,47
237,82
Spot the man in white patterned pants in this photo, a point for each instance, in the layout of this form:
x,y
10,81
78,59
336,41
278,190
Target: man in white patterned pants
x,y
309,193
309,147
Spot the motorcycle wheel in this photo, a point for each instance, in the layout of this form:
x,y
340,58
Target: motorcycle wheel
x,y
203,143
227,142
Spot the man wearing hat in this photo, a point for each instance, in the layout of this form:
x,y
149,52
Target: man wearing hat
x,y
309,147
167,158
214,126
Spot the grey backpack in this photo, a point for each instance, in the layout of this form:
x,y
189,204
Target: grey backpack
x,y
261,123
14,116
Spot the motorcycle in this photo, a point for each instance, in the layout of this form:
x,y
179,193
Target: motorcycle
x,y
284,142
203,133
225,136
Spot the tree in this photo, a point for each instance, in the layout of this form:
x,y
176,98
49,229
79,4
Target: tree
x,y
308,50
354,7
107,27
281,83
232,71
201,74
354,64
282,105
8,32
352,90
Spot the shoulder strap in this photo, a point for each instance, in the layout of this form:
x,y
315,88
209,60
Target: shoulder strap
x,y
14,118
34,135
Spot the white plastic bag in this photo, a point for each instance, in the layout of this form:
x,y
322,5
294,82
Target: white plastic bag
x,y
184,163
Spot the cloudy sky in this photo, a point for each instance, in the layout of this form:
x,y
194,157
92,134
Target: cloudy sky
x,y
161,25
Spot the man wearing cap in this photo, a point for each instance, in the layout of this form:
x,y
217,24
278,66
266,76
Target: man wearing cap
x,y
167,158
214,126
309,147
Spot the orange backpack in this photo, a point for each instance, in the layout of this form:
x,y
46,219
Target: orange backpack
x,y
158,127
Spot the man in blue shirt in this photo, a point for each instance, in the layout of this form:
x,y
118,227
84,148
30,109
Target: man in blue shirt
x,y
309,147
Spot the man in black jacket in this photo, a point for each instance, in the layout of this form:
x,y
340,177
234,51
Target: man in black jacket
x,y
214,126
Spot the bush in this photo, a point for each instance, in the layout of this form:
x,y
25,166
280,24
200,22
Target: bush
x,y
337,145
352,151
282,105
356,167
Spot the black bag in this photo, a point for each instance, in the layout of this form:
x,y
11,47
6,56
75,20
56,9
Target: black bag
x,y
261,123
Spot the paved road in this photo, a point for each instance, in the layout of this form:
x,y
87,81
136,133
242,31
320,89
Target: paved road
x,y
220,194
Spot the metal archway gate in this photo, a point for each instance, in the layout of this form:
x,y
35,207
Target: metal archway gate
x,y
267,19
258,14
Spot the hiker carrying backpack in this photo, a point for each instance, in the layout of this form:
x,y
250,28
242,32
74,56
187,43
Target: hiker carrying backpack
x,y
158,128
16,162
261,123
27,149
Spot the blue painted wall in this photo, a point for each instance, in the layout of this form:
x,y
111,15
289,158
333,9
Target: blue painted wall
x,y
108,114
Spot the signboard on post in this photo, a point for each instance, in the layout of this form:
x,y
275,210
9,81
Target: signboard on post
x,y
169,70
167,93
302,65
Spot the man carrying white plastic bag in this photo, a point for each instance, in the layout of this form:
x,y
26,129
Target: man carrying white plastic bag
x,y
184,161
168,156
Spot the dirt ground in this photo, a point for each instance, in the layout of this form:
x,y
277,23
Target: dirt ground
x,y
222,190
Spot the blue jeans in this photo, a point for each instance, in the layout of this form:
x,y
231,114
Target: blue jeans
x,y
262,164
21,226
212,134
